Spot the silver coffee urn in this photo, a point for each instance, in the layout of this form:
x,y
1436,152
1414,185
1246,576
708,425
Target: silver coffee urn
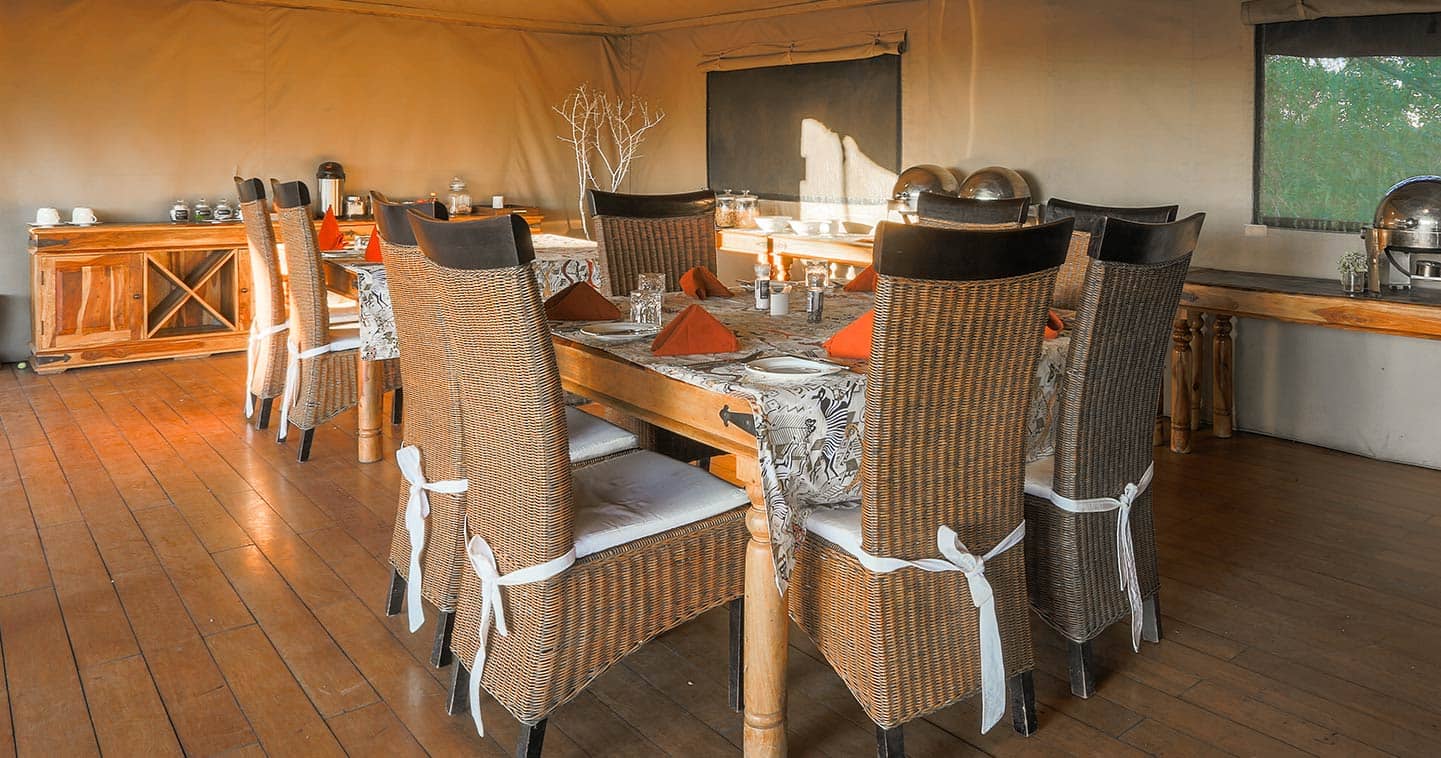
x,y
330,189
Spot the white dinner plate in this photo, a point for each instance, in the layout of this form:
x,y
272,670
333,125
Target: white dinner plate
x,y
619,331
788,368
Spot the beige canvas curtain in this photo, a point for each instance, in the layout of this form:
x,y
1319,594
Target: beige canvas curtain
x,y
846,47
1273,11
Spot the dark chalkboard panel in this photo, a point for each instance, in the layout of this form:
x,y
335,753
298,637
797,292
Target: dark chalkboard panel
x,y
753,119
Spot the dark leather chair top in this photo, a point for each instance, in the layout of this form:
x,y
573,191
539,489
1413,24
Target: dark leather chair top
x,y
929,252
391,221
501,242
290,194
1087,216
969,210
1137,242
250,190
698,203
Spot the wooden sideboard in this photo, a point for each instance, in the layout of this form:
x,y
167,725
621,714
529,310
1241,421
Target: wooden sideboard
x,y
117,293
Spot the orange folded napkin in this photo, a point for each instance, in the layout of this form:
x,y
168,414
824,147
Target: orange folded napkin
x,y
330,237
1054,325
864,282
580,302
372,248
854,341
694,331
700,284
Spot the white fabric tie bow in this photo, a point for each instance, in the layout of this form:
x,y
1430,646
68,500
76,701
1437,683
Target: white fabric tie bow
x,y
482,560
417,510
957,557
1125,547
256,335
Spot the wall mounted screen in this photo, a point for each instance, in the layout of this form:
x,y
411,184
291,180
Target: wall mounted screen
x,y
814,132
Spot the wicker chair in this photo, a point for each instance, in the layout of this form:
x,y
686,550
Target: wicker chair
x,y
1090,540
958,330
962,212
266,352
593,561
415,295
1088,217
321,376
669,234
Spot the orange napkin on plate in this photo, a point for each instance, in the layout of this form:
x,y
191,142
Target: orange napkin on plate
x,y
330,237
1054,325
853,341
700,284
372,248
580,302
864,282
694,331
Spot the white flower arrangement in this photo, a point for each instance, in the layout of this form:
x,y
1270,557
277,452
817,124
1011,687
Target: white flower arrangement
x,y
1352,262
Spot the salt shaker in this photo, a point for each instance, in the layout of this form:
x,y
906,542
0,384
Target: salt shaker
x,y
781,300
763,286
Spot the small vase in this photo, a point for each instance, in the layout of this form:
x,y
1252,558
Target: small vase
x,y
1353,282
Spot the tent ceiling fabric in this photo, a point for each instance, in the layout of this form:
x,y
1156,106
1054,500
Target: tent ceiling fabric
x,y
601,17
1273,11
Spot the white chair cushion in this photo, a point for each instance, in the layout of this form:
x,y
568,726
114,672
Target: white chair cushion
x,y
642,494
1040,477
592,438
838,526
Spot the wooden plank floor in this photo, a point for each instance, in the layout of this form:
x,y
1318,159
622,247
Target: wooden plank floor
x,y
173,582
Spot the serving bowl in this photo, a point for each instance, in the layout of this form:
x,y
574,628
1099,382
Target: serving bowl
x,y
809,228
772,224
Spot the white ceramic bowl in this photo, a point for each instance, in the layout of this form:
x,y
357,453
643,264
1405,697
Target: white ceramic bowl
x,y
772,224
808,228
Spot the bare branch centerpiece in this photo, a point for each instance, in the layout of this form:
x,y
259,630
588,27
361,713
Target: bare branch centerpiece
x,y
606,132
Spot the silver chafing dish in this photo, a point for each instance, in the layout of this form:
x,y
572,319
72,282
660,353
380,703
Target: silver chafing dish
x,y
1403,244
917,179
994,183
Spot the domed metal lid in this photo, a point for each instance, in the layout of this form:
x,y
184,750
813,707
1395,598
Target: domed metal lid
x,y
925,177
1412,205
994,183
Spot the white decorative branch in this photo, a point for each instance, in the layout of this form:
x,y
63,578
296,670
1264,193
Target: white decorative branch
x,y
605,131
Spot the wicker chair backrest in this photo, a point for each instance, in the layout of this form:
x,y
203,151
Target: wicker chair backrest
x,y
958,330
1118,351
637,234
309,313
268,291
502,389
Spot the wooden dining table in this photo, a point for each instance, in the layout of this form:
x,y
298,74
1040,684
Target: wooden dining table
x,y
710,401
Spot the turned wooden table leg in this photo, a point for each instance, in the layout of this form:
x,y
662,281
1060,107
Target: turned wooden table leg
x,y
1181,384
766,629
369,409
1198,330
1224,398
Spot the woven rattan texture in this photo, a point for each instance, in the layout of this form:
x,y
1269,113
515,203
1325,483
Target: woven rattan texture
x,y
1103,441
328,382
565,631
432,423
1073,272
673,246
268,301
951,374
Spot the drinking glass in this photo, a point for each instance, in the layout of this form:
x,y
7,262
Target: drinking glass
x,y
651,282
818,275
645,306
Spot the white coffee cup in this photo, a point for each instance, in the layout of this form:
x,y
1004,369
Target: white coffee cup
x,y
497,201
47,217
83,215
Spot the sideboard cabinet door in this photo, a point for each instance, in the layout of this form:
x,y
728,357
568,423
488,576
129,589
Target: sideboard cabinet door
x,y
89,300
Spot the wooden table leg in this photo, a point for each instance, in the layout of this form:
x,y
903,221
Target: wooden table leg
x,y
1181,384
1198,330
1224,399
766,630
1158,437
369,409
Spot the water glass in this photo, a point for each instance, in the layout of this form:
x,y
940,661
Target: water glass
x,y
651,282
645,306
818,274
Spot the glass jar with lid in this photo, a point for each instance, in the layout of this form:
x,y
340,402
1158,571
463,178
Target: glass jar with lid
x,y
725,210
459,200
746,209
